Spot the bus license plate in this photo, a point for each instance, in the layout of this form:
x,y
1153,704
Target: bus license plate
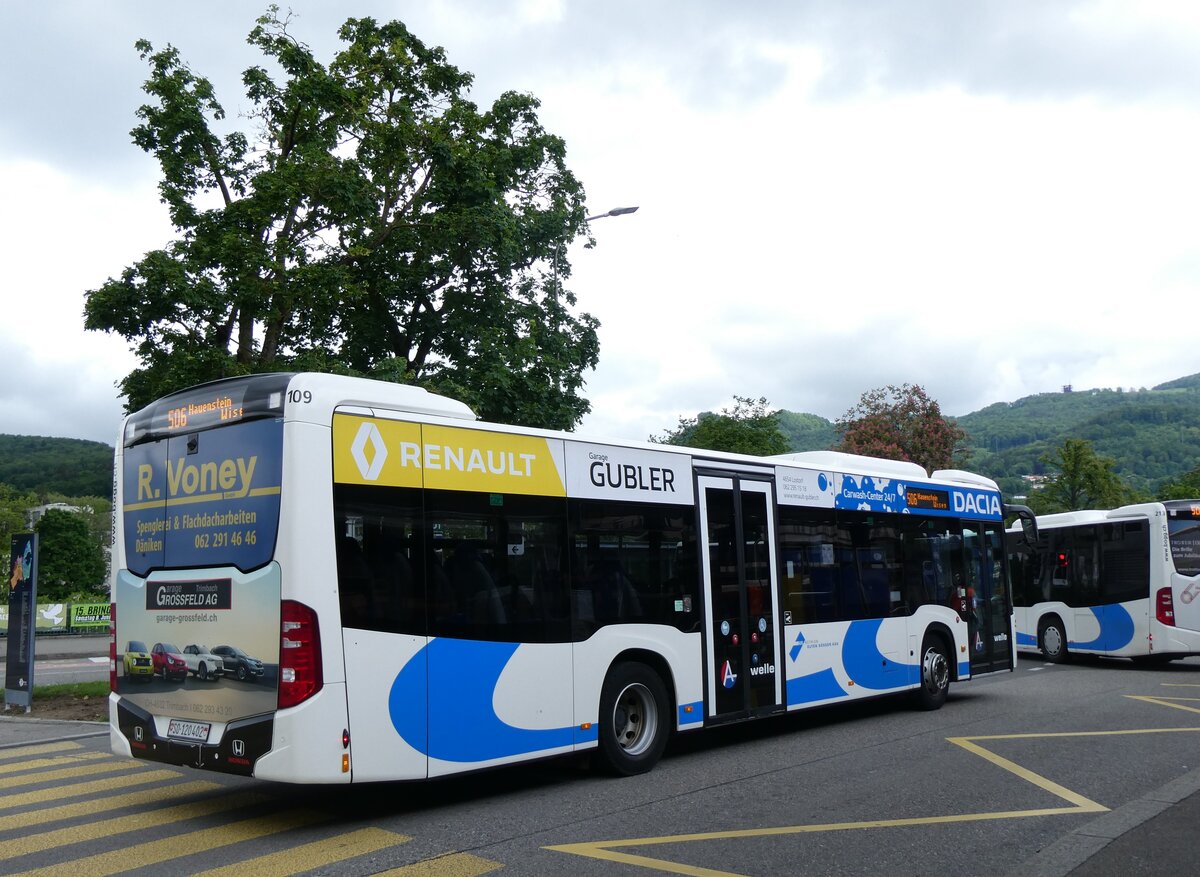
x,y
188,730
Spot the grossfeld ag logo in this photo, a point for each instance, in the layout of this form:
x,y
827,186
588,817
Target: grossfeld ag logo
x,y
369,439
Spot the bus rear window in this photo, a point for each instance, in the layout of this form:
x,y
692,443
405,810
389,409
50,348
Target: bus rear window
x,y
203,499
1184,534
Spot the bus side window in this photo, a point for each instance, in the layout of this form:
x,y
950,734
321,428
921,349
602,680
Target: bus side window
x,y
354,583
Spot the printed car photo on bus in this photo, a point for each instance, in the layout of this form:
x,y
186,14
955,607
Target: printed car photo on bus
x,y
238,664
168,661
137,662
202,663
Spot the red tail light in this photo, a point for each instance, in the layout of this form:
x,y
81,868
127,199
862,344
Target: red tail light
x,y
300,675
1164,607
112,647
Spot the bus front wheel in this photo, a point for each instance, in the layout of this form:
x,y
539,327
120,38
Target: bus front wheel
x,y
935,674
633,723
1052,640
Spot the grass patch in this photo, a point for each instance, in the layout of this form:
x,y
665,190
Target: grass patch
x,y
72,689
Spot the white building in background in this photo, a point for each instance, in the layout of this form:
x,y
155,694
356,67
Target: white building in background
x,y
35,514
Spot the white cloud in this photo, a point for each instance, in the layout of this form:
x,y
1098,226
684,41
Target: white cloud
x,y
990,199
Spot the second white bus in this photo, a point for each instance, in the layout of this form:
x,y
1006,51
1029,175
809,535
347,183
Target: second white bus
x,y
1123,582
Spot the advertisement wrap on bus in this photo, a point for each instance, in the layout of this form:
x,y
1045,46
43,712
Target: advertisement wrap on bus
x,y
199,518
328,579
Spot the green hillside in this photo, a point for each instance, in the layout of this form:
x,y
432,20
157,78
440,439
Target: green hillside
x,y
1154,435
70,467
807,432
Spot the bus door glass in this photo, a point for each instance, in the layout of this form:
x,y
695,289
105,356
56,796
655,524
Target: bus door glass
x,y
738,530
987,600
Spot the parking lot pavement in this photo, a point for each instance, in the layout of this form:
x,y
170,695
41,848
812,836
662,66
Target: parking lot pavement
x,y
27,730
1149,835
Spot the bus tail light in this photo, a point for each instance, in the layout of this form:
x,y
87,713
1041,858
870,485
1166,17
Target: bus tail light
x,y
112,647
300,675
1164,607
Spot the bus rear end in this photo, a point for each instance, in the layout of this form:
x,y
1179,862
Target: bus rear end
x,y
204,649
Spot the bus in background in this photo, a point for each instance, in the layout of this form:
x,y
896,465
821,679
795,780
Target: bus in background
x,y
1122,583
403,592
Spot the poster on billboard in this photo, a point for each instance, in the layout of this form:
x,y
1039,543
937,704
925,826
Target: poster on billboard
x,y
22,605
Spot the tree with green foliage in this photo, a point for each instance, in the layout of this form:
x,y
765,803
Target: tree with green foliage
x,y
71,563
750,427
14,514
901,423
1186,486
374,222
1082,479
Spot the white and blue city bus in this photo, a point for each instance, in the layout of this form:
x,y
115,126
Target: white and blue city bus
x,y
1122,582
399,591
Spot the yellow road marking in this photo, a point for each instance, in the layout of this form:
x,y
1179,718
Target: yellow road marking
x,y
1166,701
38,749
33,843
1076,804
312,855
179,845
37,763
109,802
449,865
66,773
27,799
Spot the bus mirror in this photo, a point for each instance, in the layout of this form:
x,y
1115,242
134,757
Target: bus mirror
x,y
1029,528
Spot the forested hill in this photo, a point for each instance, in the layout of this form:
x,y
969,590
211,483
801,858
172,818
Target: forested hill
x,y
70,467
1154,435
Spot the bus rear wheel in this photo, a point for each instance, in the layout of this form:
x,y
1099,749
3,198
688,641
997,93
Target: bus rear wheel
x,y
1052,640
633,723
935,674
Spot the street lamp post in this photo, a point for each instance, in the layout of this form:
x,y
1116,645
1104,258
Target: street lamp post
x,y
616,211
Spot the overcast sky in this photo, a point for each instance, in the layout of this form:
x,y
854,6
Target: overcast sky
x,y
990,199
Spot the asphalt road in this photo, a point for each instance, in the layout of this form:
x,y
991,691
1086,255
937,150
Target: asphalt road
x,y
1011,766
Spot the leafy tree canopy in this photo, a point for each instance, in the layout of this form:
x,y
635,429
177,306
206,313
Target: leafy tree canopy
x,y
901,423
1186,486
71,563
374,222
14,512
748,428
1081,479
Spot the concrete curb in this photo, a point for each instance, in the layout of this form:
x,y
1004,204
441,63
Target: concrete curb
x,y
1068,853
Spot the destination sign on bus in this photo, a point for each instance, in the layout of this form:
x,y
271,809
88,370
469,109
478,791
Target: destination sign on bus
x,y
202,412
926,498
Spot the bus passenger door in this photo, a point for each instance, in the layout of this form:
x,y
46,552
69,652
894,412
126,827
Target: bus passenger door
x,y
743,672
989,607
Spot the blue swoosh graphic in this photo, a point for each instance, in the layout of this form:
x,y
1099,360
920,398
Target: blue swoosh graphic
x,y
821,685
1026,639
866,665
1116,629
456,681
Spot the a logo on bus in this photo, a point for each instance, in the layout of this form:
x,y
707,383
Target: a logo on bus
x,y
368,434
728,677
